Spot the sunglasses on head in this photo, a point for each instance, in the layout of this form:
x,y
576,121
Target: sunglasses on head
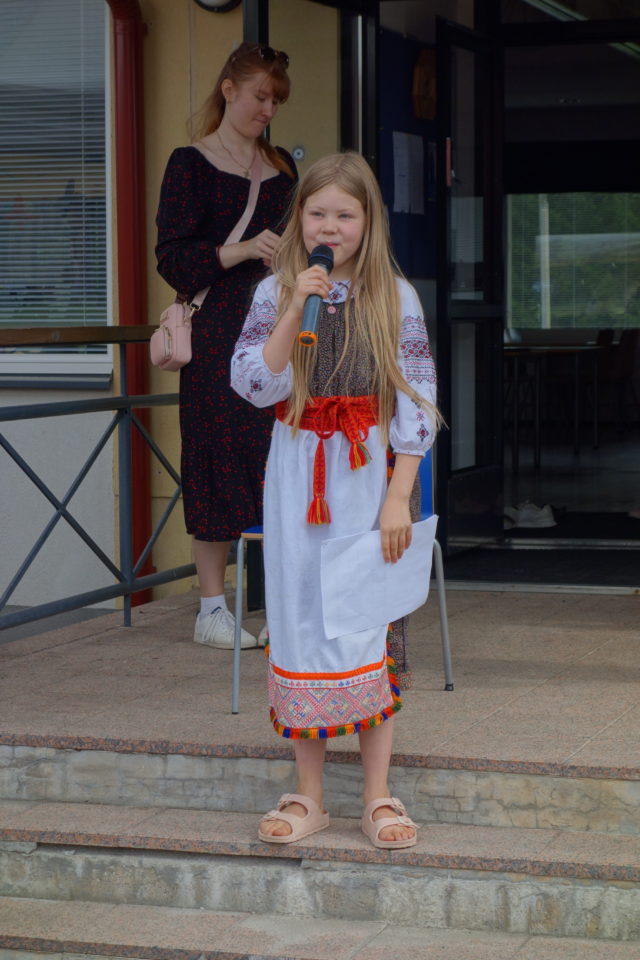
x,y
268,54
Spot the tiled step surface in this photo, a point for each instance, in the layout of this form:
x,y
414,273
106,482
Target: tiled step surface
x,y
539,881
48,929
538,852
440,789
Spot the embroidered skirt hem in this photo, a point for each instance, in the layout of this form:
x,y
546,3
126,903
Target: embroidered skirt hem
x,y
326,733
321,703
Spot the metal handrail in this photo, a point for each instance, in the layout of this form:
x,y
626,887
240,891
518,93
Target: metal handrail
x,y
126,572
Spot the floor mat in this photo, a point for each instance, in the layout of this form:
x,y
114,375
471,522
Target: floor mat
x,y
573,525
609,568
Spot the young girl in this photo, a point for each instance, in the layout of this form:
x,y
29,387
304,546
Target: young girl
x,y
367,385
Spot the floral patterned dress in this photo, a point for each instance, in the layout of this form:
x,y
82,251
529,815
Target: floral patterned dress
x,y
224,441
319,686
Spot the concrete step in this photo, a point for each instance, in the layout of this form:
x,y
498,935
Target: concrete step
x,y
520,881
207,777
46,929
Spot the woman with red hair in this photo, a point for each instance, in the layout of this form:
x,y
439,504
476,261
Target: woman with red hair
x,y
204,194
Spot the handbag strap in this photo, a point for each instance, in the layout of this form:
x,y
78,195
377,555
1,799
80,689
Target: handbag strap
x,y
247,213
198,300
252,199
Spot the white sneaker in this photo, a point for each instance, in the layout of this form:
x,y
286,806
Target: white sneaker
x,y
529,515
217,629
263,636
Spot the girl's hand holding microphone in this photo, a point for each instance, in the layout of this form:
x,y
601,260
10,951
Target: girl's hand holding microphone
x,y
314,281
277,350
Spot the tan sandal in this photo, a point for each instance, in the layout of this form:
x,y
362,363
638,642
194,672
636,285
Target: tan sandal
x,y
371,828
301,827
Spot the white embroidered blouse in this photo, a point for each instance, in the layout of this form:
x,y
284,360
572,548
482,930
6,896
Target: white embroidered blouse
x,y
410,429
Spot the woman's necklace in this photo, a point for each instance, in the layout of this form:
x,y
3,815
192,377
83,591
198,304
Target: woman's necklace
x,y
246,171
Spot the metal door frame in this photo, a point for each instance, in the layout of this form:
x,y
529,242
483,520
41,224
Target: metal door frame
x,y
490,309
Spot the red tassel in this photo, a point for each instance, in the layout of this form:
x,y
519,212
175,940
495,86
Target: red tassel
x,y
318,512
359,456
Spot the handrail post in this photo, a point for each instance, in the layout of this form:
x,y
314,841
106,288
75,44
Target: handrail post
x,y
124,489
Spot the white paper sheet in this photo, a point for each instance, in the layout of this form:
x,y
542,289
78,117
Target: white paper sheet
x,y
400,172
416,174
361,591
408,173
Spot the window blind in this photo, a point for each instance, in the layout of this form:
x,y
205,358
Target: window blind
x,y
53,229
574,260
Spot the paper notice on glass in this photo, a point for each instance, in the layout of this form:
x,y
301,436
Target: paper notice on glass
x,y
408,173
361,591
400,172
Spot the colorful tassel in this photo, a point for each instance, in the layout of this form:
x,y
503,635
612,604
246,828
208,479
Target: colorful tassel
x,y
359,456
325,733
318,512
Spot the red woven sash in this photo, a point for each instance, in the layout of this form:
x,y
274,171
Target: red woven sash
x,y
324,415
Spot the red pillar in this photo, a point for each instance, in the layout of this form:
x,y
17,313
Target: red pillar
x,y
128,33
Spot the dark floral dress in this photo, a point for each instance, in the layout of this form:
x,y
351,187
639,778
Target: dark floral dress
x,y
225,441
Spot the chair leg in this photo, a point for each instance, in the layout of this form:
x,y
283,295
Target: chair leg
x,y
444,622
235,681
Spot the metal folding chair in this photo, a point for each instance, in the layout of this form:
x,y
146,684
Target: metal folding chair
x,y
251,533
426,511
256,533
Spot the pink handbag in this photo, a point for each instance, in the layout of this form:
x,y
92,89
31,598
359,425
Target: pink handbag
x,y
170,344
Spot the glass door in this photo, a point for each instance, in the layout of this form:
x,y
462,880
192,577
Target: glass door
x,y
470,298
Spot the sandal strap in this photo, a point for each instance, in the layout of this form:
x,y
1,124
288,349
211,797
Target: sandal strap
x,y
392,802
393,822
310,805
282,815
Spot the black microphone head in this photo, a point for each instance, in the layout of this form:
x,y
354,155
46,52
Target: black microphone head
x,y
321,256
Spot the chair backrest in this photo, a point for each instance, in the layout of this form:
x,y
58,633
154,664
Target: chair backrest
x,y
426,484
626,355
605,337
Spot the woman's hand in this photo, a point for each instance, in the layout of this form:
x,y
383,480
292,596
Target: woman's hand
x,y
262,246
395,527
313,280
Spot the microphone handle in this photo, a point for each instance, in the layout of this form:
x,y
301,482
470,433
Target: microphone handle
x,y
308,335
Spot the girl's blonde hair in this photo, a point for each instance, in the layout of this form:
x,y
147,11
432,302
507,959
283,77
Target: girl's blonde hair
x,y
244,63
372,309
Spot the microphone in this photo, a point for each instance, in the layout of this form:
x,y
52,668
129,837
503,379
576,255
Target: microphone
x,y
322,256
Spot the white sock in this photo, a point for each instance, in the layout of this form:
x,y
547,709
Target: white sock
x,y
209,604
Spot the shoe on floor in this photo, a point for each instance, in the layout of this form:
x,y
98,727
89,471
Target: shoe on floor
x,y
263,637
372,828
529,515
301,827
217,629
